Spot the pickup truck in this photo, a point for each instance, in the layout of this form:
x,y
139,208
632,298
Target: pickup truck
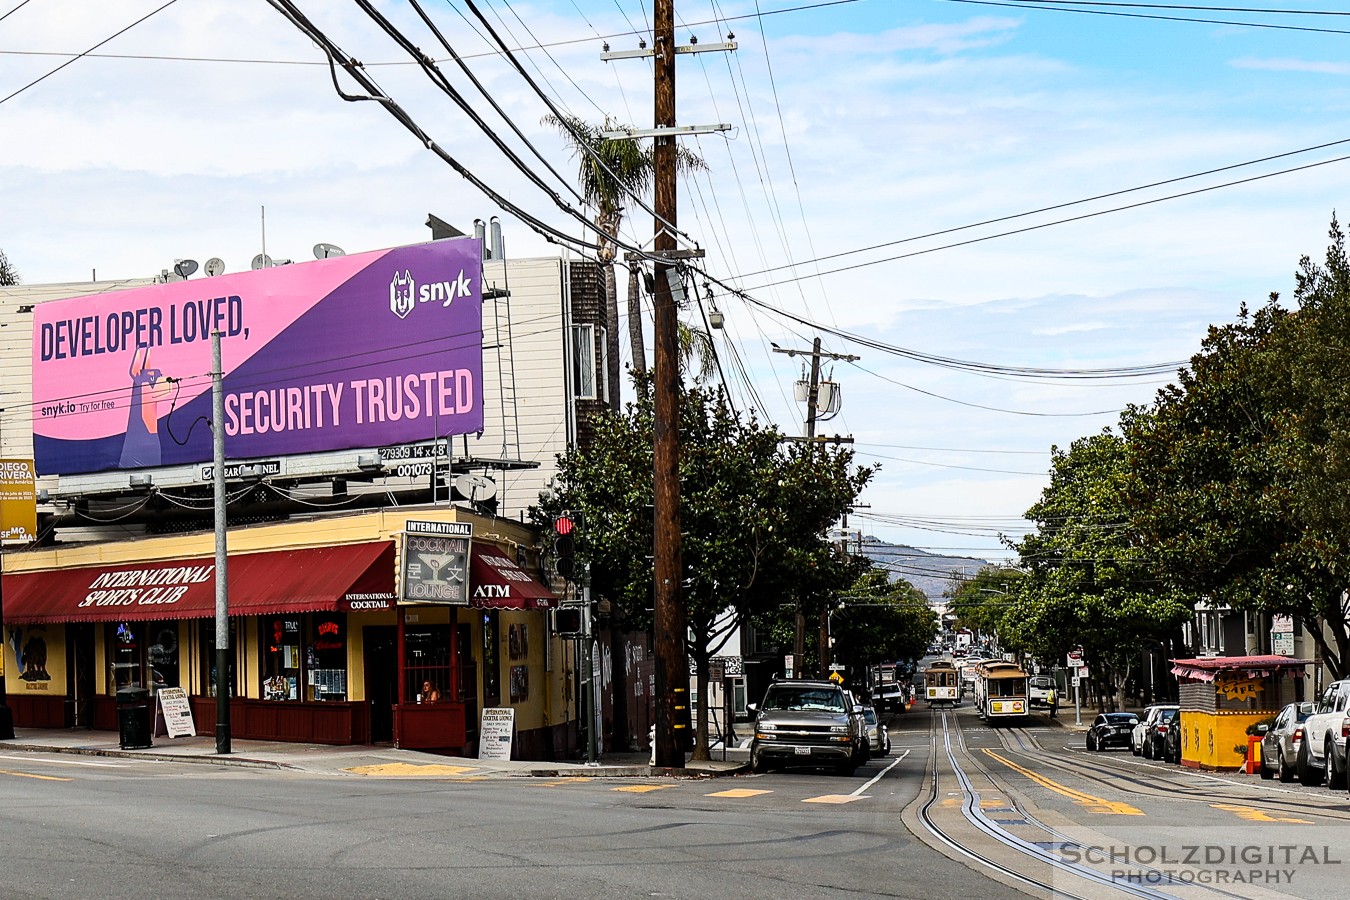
x,y
1039,688
1321,755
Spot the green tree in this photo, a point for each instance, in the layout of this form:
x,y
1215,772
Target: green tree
x,y
980,602
1239,475
1088,581
8,274
754,514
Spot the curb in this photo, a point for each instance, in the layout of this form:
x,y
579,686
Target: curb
x,y
158,757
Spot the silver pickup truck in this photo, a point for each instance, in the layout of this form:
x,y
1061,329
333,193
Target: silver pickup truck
x,y
1321,755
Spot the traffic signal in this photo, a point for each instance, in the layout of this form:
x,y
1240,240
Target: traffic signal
x,y
564,543
568,621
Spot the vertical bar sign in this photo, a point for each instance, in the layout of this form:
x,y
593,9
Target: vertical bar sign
x,y
435,563
18,502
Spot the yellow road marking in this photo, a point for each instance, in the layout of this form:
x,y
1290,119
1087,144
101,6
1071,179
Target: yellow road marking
x,y
1252,814
951,801
408,769
31,775
835,798
1089,802
564,781
996,803
643,788
738,792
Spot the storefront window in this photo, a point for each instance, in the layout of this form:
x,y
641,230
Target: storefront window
x,y
125,640
326,657
427,661
208,643
280,640
163,654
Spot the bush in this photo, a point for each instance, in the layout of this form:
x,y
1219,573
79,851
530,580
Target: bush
x,y
1268,721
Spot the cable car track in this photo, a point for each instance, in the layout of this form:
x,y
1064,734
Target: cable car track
x,y
1158,784
973,813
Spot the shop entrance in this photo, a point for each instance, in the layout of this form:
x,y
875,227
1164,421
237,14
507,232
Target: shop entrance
x,y
381,663
80,637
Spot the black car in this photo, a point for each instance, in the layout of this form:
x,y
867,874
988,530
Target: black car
x,y
1156,736
1171,746
1111,730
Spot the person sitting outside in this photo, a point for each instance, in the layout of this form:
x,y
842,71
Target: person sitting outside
x,y
429,693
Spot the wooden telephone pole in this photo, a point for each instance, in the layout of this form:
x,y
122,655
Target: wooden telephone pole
x,y
672,666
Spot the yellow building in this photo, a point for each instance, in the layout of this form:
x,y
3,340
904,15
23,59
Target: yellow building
x,y
323,648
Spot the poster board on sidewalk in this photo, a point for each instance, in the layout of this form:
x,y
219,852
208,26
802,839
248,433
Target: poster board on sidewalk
x,y
177,712
496,732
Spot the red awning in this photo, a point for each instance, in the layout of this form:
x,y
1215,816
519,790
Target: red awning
x,y
1209,668
498,583
337,578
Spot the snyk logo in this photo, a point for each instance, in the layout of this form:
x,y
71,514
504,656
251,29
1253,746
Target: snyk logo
x,y
405,293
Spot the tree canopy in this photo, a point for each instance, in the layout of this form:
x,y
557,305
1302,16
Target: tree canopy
x,y
755,514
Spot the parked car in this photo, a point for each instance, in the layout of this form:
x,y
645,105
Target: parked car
x,y
1156,732
808,723
1111,730
1282,740
1171,751
1321,754
1137,735
878,737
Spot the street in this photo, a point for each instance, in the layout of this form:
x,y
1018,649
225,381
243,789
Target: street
x,y
958,810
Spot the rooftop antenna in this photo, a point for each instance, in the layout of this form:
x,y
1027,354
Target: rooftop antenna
x,y
262,216
327,251
214,266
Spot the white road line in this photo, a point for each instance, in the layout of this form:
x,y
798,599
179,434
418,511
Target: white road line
x,y
66,762
877,777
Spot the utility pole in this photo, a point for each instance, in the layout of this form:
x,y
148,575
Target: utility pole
x,y
672,667
812,404
223,680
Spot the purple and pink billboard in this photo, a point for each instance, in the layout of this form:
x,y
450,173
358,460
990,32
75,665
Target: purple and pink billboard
x,y
365,350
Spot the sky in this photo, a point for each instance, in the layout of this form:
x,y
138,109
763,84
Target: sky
x,y
1008,184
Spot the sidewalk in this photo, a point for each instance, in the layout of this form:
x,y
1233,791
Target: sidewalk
x,y
357,761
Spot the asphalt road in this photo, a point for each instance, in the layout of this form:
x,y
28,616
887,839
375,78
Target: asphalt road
x,y
958,810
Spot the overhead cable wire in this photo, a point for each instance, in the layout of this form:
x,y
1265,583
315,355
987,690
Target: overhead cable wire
x,y
576,135
374,93
1012,4
86,53
1065,205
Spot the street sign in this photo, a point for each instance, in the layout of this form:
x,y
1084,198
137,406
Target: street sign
x,y
788,671
1282,623
1082,671
1282,644
1074,681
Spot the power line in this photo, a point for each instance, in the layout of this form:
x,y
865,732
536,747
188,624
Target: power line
x,y
86,53
1012,4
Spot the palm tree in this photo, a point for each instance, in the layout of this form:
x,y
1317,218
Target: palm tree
x,y
8,274
610,170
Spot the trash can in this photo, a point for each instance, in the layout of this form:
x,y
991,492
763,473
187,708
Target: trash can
x,y
133,718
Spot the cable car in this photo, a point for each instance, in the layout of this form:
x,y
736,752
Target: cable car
x,y
1000,691
942,683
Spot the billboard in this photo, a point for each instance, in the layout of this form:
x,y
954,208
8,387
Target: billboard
x,y
366,350
18,501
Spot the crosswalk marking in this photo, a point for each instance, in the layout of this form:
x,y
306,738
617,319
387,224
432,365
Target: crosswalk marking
x,y
407,769
738,793
642,788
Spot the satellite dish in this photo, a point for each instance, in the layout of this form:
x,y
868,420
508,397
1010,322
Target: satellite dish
x,y
475,487
185,267
261,261
324,251
214,266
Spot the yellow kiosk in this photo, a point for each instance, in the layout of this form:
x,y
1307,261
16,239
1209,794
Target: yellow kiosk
x,y
1220,696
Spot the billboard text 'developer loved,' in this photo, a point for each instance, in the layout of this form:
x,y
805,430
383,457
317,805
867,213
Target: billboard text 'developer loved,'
x,y
364,350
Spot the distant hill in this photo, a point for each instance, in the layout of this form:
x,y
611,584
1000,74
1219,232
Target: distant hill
x,y
929,572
